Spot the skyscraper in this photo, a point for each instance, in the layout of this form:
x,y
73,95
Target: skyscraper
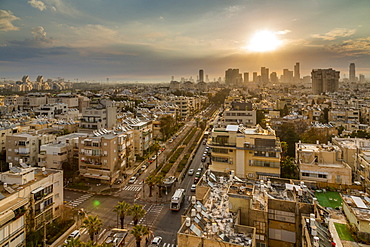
x,y
246,77
324,80
233,77
201,75
265,75
297,73
254,77
352,72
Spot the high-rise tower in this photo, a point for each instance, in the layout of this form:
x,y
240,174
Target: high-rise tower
x,y
352,72
265,75
297,73
324,80
201,75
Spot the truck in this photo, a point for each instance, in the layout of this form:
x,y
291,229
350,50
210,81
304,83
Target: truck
x,y
177,199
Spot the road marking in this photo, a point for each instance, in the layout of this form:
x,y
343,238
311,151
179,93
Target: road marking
x,y
169,245
132,187
79,200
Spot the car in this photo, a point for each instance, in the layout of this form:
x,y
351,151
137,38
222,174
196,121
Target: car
x,y
193,187
196,179
132,180
74,235
191,172
143,167
170,141
156,241
154,157
204,158
197,174
200,169
118,181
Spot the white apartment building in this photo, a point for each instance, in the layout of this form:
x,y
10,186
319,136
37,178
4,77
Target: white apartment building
x,y
28,193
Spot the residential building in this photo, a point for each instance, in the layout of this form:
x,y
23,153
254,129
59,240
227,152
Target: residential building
x,y
67,98
239,113
26,147
51,110
324,80
28,193
322,163
98,117
251,152
103,155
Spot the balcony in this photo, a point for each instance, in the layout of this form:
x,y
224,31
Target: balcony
x,y
223,144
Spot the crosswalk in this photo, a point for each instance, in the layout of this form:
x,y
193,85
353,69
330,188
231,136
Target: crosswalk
x,y
132,187
152,213
79,200
169,245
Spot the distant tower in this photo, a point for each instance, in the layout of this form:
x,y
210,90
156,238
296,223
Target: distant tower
x,y
324,80
201,75
352,72
246,77
297,74
265,75
233,77
273,77
254,76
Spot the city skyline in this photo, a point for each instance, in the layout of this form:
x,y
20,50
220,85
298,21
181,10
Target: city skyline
x,y
150,42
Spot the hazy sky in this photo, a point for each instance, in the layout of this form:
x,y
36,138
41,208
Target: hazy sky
x,y
151,40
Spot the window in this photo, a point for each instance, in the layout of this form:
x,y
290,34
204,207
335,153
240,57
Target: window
x,y
322,176
250,175
305,174
260,226
220,159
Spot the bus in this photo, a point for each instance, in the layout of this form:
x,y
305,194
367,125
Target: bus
x,y
177,199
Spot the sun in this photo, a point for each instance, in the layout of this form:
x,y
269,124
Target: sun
x,y
264,41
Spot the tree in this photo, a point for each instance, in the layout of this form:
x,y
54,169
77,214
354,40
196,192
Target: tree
x,y
312,135
167,126
159,181
92,224
289,135
139,231
137,211
288,168
73,242
261,118
122,208
150,181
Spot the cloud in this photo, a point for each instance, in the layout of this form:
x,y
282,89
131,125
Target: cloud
x,y
39,39
353,47
39,35
37,4
6,19
335,33
283,32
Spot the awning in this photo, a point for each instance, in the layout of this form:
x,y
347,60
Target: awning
x,y
37,190
5,217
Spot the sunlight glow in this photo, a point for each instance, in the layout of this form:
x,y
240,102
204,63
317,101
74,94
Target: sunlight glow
x,y
264,41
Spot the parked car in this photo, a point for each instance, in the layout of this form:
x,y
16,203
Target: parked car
x,y
196,179
143,167
132,180
156,241
154,157
198,174
191,172
74,235
193,187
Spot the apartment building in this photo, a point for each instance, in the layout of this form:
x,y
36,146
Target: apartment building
x,y
322,163
26,147
31,101
28,193
239,113
98,117
102,156
143,136
339,116
251,152
71,100
51,110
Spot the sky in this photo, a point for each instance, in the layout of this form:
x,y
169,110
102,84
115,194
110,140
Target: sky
x,y
153,40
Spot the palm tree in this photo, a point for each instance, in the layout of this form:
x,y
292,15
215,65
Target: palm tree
x,y
150,181
122,209
137,211
139,231
73,242
92,224
159,181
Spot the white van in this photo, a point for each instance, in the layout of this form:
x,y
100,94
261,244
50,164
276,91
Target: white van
x,y
75,234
